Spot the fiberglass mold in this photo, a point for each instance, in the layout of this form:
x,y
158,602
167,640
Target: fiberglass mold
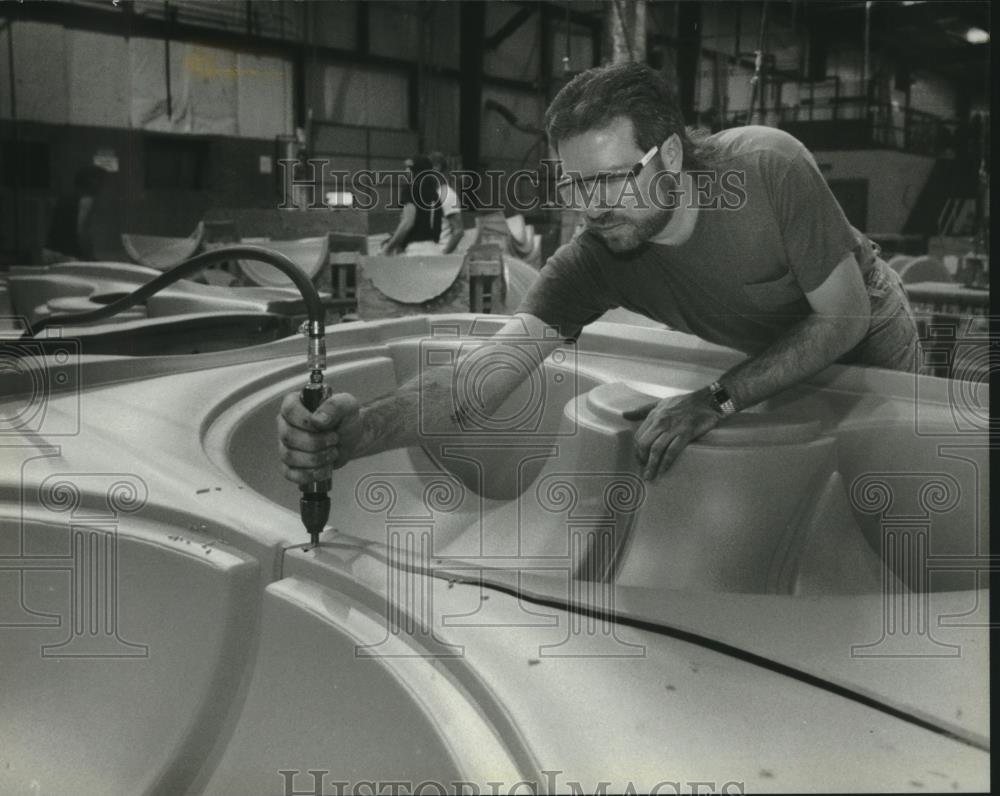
x,y
799,604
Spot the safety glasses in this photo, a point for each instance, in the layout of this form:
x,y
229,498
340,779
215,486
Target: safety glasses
x,y
605,187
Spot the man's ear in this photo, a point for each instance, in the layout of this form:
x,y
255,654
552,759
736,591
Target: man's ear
x,y
672,153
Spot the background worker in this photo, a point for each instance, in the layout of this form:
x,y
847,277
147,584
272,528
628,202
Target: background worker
x,y
71,229
452,228
420,219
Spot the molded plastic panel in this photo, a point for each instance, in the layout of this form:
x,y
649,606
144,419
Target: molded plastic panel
x,y
736,511
309,254
333,690
926,478
43,291
158,251
414,279
224,693
120,656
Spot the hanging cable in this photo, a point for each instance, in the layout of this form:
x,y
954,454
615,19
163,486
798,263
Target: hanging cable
x,y
865,67
626,34
166,58
15,130
758,64
569,44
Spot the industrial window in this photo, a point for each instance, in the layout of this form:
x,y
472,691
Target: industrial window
x,y
25,164
175,163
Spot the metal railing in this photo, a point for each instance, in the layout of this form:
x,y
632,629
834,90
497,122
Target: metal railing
x,y
886,125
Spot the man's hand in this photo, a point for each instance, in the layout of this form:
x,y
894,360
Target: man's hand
x,y
311,445
668,427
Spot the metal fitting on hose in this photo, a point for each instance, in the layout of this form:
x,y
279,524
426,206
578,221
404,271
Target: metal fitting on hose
x,y
316,352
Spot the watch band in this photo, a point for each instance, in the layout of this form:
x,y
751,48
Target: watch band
x,y
720,396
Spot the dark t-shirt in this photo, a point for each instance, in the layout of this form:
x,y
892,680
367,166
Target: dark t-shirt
x,y
741,277
423,194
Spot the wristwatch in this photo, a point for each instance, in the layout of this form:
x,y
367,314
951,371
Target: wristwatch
x,y
720,397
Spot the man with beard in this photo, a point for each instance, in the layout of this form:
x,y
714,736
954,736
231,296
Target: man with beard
x,y
733,237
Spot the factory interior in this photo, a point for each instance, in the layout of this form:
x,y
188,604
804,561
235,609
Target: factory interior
x,y
190,109
679,554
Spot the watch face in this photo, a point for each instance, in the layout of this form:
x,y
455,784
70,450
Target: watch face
x,y
723,402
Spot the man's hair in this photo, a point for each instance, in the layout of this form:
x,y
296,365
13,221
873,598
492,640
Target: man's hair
x,y
439,162
596,97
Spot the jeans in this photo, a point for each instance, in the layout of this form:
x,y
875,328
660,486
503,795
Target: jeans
x,y
892,341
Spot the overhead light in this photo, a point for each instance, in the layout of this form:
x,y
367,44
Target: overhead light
x,y
977,36
911,2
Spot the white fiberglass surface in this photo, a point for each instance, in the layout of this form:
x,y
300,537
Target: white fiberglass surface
x,y
767,503
761,537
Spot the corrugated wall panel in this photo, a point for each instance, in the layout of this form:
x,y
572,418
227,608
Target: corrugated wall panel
x,y
500,141
444,34
149,107
442,125
349,163
338,138
517,55
227,14
362,96
264,96
284,19
40,72
211,76
69,76
394,29
272,18
5,109
389,147
334,24
392,143
212,91
98,86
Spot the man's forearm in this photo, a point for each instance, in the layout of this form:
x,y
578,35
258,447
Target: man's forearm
x,y
428,404
397,236
807,348
394,421
441,399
